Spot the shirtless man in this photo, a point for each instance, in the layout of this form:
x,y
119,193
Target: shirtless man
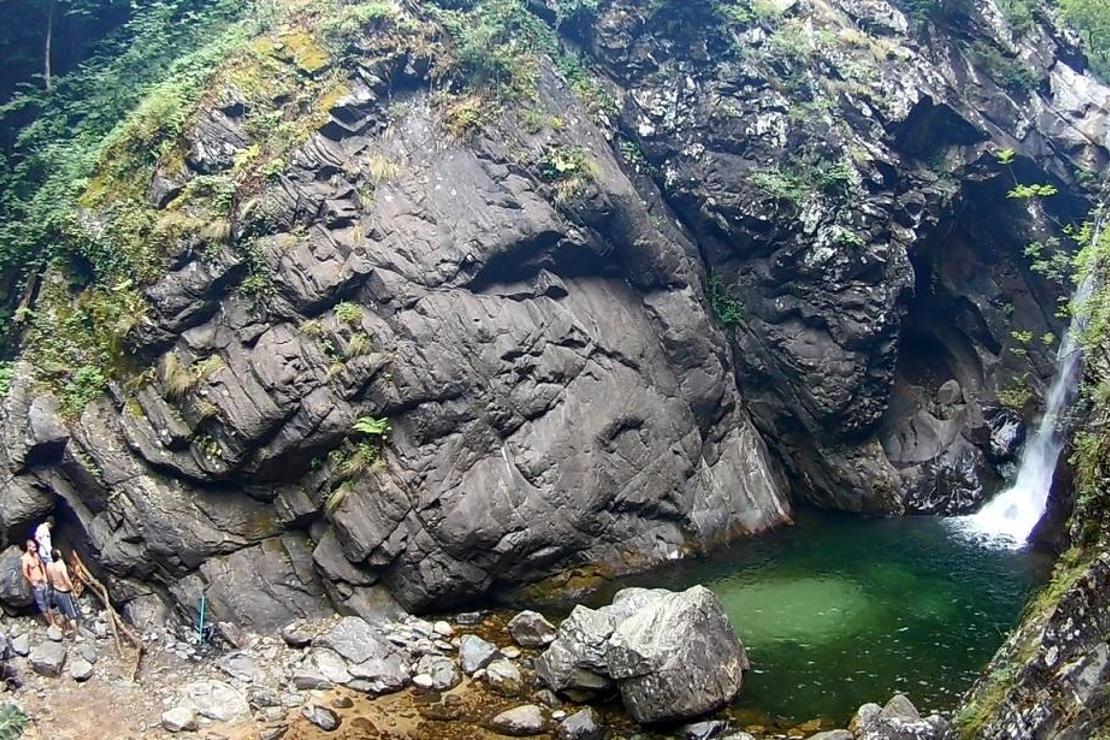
x,y
58,575
34,572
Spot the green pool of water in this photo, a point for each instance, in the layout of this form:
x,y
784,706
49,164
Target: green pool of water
x,y
837,611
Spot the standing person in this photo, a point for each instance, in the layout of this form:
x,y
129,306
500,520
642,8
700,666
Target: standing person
x,y
58,575
43,534
34,572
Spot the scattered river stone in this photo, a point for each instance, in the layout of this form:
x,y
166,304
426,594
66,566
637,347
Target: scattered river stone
x,y
179,719
443,629
216,700
442,671
322,717
263,696
48,659
54,633
832,735
87,651
80,669
239,666
504,677
520,721
530,629
582,725
21,645
469,618
475,653
296,634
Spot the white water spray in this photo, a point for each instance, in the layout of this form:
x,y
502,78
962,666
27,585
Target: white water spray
x,y
1015,512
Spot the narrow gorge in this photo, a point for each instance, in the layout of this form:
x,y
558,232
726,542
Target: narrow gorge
x,y
422,314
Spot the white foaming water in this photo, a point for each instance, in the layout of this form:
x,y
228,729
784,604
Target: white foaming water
x,y
1012,514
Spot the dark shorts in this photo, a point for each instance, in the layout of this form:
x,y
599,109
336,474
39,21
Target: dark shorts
x,y
42,597
64,601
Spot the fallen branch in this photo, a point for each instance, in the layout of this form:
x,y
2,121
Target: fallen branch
x,y
115,623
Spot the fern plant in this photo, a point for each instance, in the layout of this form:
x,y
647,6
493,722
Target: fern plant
x,y
372,426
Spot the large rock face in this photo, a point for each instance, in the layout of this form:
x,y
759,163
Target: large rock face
x,y
567,385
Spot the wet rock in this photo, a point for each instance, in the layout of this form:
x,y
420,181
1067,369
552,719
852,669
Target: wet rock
x,y
531,629
179,719
469,618
950,393
475,653
342,702
704,730
80,670
48,659
547,698
322,717
503,677
898,720
215,700
442,672
519,722
582,725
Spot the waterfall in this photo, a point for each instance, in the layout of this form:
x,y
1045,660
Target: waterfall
x,y
1015,512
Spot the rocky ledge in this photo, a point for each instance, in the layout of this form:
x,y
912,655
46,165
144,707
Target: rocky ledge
x,y
672,659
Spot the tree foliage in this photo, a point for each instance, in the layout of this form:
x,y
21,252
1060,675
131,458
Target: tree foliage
x,y
1091,19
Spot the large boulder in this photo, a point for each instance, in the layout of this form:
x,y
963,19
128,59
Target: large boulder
x,y
14,591
672,655
676,658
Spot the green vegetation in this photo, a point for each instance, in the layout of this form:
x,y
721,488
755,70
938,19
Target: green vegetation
x,y
1091,19
1017,395
13,722
1012,74
805,176
372,426
7,372
569,168
1035,190
726,307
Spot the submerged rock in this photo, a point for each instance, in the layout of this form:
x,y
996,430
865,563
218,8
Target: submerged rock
x,y
582,725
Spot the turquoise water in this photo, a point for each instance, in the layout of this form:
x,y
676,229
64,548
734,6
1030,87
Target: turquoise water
x,y
840,610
